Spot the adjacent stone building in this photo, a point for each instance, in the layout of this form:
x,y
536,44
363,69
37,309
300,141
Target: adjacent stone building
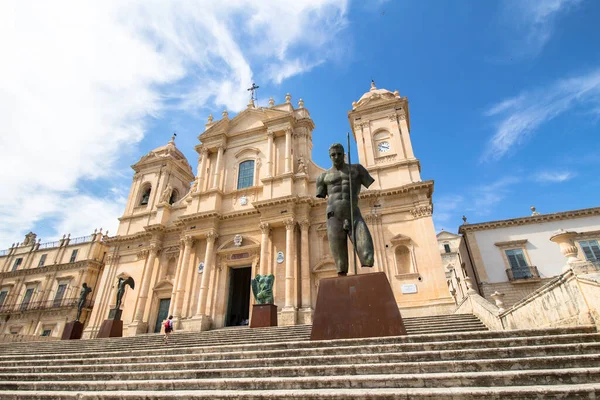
x,y
40,283
517,256
192,243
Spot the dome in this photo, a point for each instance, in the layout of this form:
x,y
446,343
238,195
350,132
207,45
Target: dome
x,y
376,93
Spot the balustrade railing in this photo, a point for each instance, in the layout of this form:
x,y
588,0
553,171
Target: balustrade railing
x,y
71,302
526,272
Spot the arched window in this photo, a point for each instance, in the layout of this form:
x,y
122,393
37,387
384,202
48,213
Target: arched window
x,y
174,197
145,196
246,174
403,263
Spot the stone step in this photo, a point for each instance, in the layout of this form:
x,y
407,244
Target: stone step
x,y
365,356
572,392
420,380
164,371
487,339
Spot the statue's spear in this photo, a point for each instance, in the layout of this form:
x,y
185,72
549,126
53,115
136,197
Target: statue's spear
x,y
353,233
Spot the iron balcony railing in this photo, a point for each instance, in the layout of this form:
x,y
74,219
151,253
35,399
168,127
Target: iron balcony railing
x,y
520,273
43,305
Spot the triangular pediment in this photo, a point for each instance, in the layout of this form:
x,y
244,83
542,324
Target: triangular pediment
x,y
400,238
253,118
447,235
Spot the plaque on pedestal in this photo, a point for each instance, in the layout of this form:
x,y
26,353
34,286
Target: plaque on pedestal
x,y
263,315
356,306
73,330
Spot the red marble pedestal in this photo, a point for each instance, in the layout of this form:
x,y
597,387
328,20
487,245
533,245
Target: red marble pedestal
x,y
73,330
111,328
263,315
356,306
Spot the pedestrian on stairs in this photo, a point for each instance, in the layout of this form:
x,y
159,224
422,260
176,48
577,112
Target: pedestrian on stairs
x,y
168,328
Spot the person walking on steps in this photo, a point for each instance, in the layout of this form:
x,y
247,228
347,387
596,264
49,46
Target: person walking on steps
x,y
168,328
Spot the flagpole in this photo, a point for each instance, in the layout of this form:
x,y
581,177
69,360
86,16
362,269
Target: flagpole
x,y
353,233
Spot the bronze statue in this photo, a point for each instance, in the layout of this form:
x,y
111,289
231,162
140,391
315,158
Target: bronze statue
x,y
121,289
336,183
85,290
262,288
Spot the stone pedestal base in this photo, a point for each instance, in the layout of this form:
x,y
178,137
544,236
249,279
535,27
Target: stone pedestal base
x,y
197,323
581,267
73,330
263,315
137,328
305,316
287,316
356,306
111,328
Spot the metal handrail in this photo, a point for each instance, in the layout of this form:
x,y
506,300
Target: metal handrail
x,y
43,305
48,245
520,273
81,239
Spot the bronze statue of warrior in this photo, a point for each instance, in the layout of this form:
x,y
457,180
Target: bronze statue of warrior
x,y
341,185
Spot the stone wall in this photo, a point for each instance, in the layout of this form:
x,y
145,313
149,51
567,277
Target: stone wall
x,y
559,303
514,292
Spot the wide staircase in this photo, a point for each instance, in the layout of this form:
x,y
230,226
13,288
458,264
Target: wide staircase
x,y
442,357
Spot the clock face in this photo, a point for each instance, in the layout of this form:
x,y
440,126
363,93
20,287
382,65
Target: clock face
x,y
383,147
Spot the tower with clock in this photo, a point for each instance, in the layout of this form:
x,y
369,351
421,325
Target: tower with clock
x,y
381,127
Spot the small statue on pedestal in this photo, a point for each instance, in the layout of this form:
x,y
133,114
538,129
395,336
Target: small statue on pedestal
x,y
85,290
262,288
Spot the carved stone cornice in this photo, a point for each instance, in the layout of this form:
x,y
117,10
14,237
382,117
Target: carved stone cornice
x,y
386,159
372,218
93,264
304,224
211,236
265,228
533,219
142,254
424,185
423,211
290,224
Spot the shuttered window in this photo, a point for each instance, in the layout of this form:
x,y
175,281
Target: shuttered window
x,y
516,258
590,249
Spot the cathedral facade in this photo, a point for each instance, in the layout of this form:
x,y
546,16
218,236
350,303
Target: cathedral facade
x,y
192,243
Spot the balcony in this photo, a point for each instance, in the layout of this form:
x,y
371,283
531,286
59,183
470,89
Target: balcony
x,y
20,307
523,273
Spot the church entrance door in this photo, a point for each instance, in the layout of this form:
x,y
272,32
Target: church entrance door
x,y
238,306
163,313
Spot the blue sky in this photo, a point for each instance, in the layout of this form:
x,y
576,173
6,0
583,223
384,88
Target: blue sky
x,y
504,96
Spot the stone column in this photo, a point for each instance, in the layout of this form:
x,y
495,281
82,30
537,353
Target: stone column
x,y
188,241
264,247
202,169
290,226
288,151
218,167
270,136
211,237
305,264
141,308
176,278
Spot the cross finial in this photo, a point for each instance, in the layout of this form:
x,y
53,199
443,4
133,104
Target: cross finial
x,y
252,91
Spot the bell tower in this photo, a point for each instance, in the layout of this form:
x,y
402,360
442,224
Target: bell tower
x,y
380,123
162,178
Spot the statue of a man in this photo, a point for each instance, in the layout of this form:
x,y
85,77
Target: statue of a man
x,y
85,290
121,289
335,184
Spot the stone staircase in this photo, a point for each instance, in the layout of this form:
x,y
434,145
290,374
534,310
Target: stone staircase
x,y
442,357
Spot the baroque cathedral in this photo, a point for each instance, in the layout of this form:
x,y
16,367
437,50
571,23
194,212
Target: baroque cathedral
x,y
193,243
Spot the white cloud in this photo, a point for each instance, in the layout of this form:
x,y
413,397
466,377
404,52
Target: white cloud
x,y
80,79
534,22
518,118
553,176
446,208
486,197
